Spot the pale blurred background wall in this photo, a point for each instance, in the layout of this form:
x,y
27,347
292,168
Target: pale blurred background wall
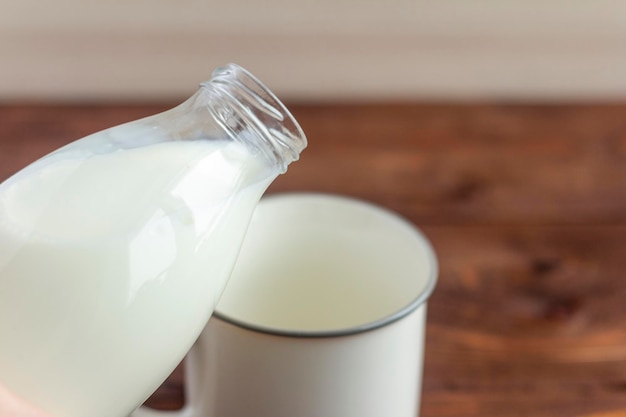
x,y
311,50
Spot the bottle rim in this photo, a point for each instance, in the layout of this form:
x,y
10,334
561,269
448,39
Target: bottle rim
x,y
247,107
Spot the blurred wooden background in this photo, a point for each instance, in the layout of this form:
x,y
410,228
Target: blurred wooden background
x,y
525,205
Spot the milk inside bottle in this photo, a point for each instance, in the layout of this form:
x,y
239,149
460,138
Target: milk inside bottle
x,y
115,249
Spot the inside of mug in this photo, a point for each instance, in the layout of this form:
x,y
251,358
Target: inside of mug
x,y
315,264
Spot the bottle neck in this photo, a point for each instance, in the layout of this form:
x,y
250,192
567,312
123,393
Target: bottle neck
x,y
249,112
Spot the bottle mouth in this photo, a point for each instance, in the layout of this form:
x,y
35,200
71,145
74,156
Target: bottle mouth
x,y
250,107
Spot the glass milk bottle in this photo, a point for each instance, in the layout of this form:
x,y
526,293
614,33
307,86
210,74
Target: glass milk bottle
x,y
115,248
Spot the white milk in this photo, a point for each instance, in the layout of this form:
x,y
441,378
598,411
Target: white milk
x,y
106,275
317,265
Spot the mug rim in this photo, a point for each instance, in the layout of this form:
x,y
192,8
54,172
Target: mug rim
x,y
405,311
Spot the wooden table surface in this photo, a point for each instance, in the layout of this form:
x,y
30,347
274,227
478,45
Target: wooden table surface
x,y
525,205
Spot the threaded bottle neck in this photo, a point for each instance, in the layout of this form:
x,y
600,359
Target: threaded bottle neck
x,y
248,111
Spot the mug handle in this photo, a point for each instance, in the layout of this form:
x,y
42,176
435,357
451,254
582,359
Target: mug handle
x,y
144,411
195,362
194,358
185,411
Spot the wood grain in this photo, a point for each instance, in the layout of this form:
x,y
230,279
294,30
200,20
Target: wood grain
x,y
525,205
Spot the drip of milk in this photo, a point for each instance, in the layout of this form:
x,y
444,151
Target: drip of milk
x,y
111,265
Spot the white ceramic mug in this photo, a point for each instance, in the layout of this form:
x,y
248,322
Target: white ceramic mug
x,y
324,316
